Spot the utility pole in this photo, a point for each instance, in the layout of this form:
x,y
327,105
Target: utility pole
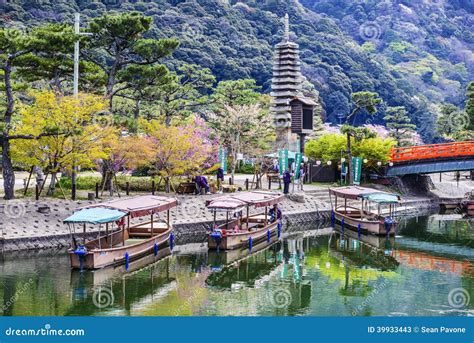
x,y
77,31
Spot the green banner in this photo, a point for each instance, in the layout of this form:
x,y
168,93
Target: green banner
x,y
356,170
283,160
223,159
298,159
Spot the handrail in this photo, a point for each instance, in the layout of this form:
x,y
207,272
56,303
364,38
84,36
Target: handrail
x,y
429,151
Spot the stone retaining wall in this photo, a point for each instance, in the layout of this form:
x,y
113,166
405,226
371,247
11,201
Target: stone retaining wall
x,y
195,232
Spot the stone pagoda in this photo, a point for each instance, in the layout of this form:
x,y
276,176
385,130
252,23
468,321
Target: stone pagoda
x,y
292,112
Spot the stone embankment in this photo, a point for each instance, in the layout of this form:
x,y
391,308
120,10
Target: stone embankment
x,y
30,224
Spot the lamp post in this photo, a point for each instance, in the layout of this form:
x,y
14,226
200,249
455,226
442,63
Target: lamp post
x,y
77,21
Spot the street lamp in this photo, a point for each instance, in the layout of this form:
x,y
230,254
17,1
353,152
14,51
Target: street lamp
x,y
366,160
329,163
318,163
379,163
77,31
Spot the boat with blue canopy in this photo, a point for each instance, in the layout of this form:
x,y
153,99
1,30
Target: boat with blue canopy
x,y
122,242
363,218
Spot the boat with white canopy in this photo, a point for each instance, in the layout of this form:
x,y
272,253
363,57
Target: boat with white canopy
x,y
239,230
122,242
363,218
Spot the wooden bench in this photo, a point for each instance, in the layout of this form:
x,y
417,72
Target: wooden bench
x,y
186,188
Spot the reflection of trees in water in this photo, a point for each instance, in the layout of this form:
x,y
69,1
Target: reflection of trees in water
x,y
434,229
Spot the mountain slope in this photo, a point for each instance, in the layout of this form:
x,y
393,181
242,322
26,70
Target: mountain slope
x,y
235,39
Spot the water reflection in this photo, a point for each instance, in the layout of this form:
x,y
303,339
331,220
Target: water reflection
x,y
313,272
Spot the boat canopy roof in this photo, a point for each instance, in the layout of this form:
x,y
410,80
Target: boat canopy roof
x,y
95,215
235,201
382,198
139,206
370,194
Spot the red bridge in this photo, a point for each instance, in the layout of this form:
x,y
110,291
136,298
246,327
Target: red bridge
x,y
432,158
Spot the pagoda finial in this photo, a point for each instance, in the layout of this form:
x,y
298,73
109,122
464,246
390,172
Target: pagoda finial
x,y
286,36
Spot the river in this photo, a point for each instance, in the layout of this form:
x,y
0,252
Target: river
x,y
426,270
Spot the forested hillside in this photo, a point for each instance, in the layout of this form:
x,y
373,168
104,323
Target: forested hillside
x,y
417,54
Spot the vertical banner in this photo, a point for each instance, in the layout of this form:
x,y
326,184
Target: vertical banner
x,y
223,159
298,159
283,160
357,170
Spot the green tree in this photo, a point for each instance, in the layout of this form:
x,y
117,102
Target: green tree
x,y
470,105
328,148
367,101
118,42
184,91
451,121
399,124
51,60
235,92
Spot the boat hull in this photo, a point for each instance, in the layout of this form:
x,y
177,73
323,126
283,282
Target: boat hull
x,y
375,227
470,208
238,240
100,258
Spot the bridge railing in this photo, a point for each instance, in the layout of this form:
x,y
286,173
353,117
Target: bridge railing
x,y
429,151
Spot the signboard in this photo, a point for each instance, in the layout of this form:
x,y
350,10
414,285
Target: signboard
x,y
223,159
283,160
298,159
356,170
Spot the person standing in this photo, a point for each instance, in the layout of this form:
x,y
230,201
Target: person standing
x,y
286,182
301,178
220,179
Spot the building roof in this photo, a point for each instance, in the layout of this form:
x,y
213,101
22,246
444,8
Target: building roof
x,y
305,100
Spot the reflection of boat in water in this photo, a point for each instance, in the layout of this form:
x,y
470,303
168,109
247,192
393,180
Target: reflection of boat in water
x,y
379,242
225,257
120,293
242,266
100,276
364,252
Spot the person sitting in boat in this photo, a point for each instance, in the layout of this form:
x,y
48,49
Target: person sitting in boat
x,y
275,213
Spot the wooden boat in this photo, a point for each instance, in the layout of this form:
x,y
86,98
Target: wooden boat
x,y
470,207
374,223
244,231
122,242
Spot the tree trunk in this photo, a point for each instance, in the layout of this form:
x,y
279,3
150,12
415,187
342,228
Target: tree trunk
x,y
52,184
7,166
136,112
349,159
8,173
167,184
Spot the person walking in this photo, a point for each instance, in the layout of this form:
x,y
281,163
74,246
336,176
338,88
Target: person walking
x,y
286,182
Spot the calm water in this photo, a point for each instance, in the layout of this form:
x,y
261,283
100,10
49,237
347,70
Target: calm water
x,y
428,269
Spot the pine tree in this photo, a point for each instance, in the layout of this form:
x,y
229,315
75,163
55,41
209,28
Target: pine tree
x,y
399,124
